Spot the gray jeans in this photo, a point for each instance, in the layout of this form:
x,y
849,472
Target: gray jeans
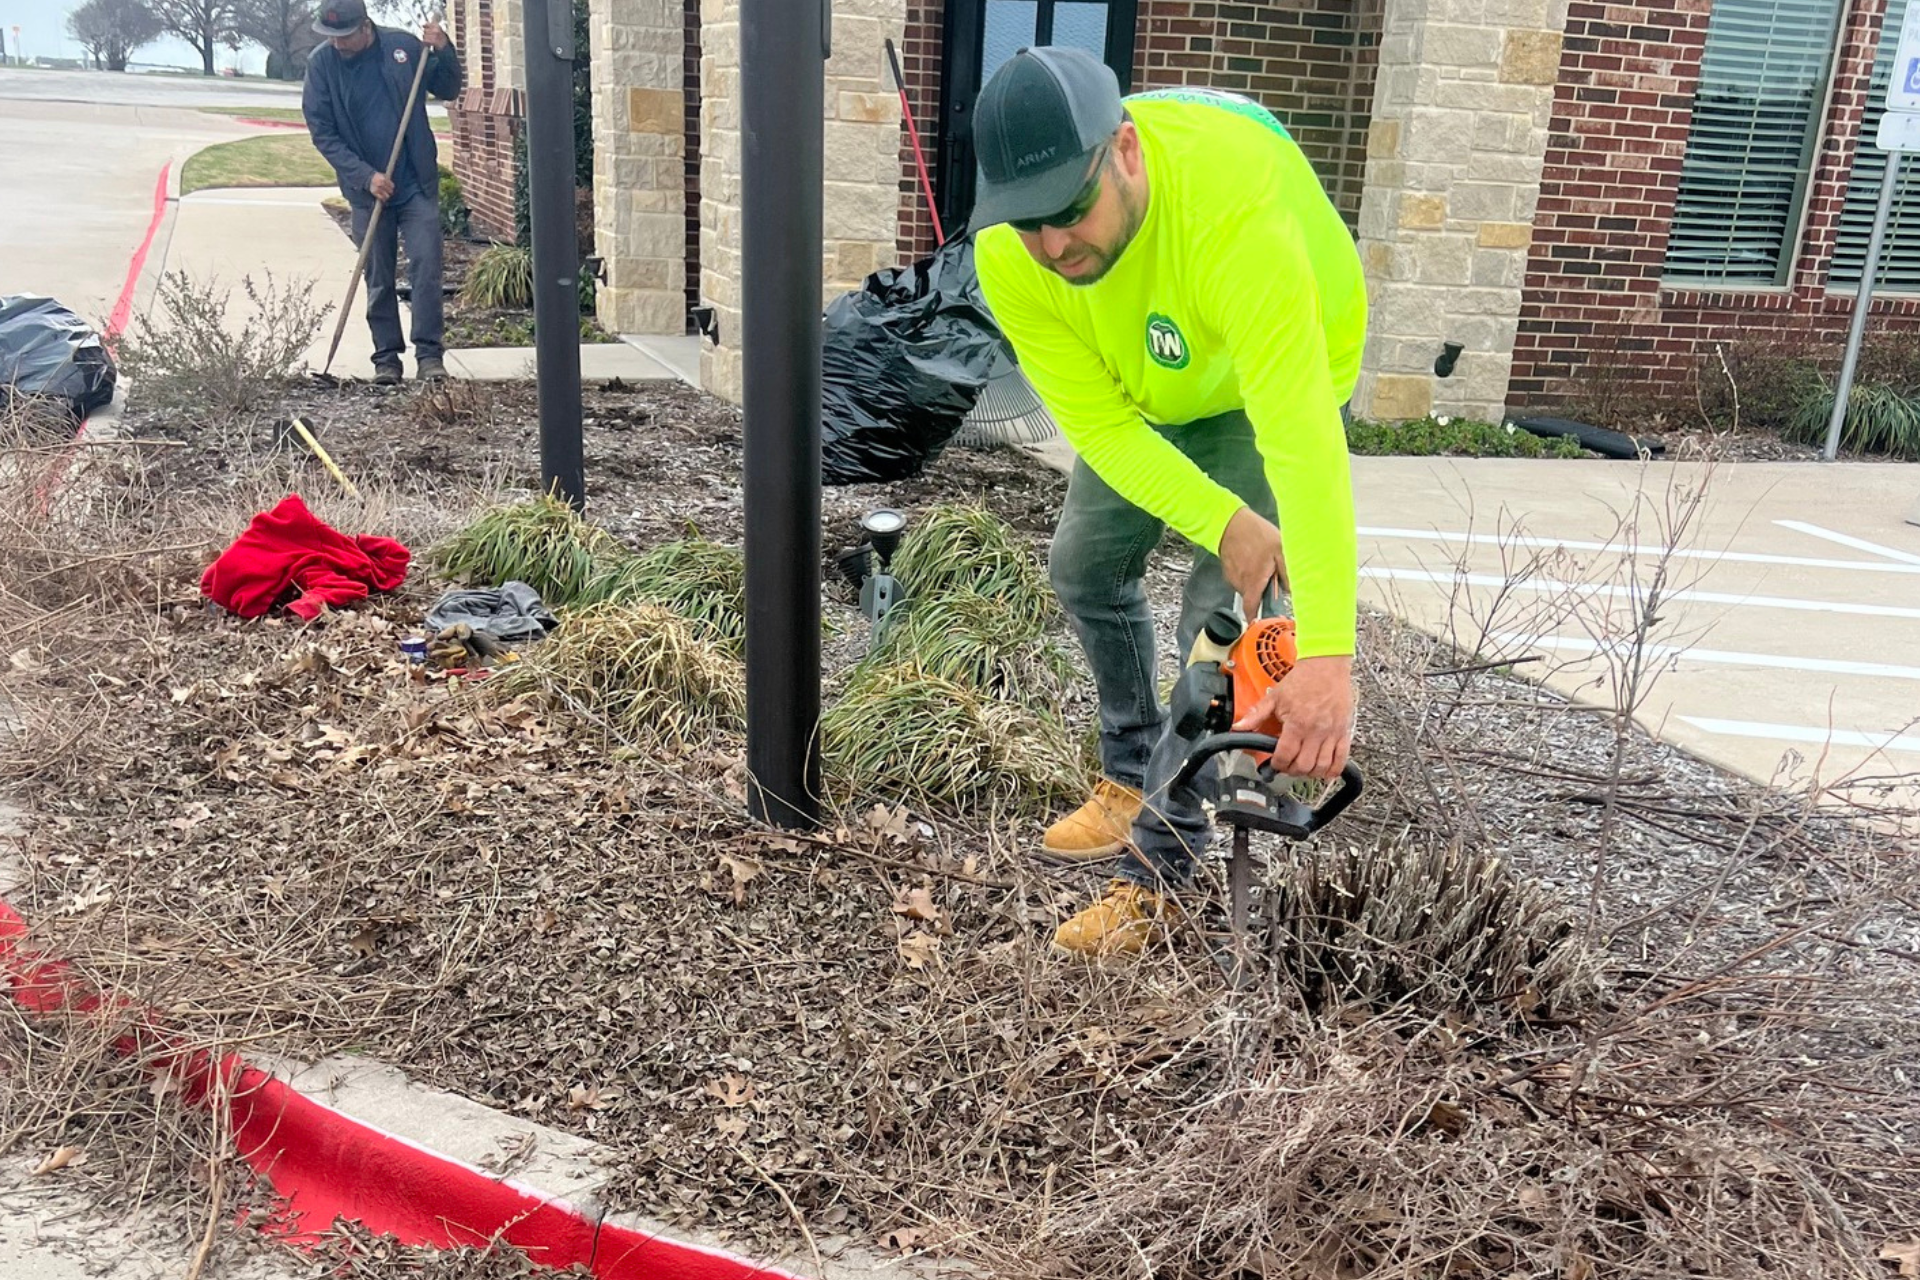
x,y
419,221
1097,563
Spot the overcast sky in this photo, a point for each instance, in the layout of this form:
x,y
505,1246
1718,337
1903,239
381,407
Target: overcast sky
x,y
43,34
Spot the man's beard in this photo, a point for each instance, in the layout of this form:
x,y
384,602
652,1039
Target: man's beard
x,y
1107,257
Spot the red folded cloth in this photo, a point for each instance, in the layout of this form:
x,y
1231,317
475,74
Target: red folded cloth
x,y
289,549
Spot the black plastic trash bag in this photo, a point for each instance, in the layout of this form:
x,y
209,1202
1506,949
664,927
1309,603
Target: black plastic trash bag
x,y
46,351
904,359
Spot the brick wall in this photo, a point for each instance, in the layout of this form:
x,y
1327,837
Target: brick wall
x,y
690,87
920,67
484,120
1310,62
1595,310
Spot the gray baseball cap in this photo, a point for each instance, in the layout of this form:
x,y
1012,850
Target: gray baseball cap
x,y
340,17
1036,126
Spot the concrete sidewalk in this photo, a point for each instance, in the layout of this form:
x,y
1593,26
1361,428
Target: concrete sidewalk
x,y
232,234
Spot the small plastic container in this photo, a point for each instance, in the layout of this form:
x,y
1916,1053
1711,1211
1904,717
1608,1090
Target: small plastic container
x,y
414,649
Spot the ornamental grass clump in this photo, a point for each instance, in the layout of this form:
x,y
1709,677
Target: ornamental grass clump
x,y
543,543
704,582
648,672
966,548
902,733
982,641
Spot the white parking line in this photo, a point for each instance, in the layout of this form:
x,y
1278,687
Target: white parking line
x,y
1628,549
1550,586
1728,657
1804,733
1848,540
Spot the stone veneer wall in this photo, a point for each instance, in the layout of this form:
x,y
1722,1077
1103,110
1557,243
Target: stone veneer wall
x,y
1461,110
639,168
861,201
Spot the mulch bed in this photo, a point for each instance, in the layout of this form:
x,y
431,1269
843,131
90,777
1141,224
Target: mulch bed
x,y
857,1036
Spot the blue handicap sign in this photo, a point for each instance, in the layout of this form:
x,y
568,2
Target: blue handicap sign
x,y
1912,81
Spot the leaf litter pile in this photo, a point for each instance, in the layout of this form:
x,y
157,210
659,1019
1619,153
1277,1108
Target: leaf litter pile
x,y
1551,1000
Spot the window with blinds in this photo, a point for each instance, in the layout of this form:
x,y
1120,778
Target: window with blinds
x,y
1763,78
1900,258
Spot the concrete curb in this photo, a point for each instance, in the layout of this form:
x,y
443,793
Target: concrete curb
x,y
326,1163
356,1139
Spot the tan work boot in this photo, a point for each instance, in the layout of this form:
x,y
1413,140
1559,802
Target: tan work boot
x,y
1097,829
1120,924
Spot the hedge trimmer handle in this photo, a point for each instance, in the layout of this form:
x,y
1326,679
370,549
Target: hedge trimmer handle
x,y
1351,782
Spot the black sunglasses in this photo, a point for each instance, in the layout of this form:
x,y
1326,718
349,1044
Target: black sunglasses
x,y
1082,204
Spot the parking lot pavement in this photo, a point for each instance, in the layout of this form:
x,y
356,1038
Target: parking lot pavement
x,y
1786,640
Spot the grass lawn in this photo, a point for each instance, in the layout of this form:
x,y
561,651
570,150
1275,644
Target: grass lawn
x,y
441,125
280,161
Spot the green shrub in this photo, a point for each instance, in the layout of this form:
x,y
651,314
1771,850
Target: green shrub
x,y
1880,419
1455,437
455,218
501,278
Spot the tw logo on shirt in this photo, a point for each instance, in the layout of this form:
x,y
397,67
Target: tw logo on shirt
x,y
1166,344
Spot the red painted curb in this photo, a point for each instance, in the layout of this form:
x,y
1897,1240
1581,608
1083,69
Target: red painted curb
x,y
329,1165
123,308
272,124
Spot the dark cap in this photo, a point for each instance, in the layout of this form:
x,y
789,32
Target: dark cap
x,y
340,17
1036,126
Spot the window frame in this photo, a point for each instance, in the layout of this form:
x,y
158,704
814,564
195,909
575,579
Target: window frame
x,y
1794,242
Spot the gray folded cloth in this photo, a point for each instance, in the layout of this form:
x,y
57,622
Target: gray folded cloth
x,y
511,613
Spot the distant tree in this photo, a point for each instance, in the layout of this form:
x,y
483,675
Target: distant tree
x,y
284,28
204,24
110,30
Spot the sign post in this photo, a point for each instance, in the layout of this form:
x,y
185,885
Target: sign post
x,y
1899,133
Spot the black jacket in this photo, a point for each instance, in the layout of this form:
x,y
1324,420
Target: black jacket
x,y
342,139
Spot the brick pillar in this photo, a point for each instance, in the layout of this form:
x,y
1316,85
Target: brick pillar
x,y
1455,150
639,178
861,200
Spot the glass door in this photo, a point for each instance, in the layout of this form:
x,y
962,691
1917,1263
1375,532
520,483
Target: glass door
x,y
982,34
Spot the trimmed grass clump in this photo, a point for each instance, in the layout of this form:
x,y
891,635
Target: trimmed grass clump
x,y
1881,418
1427,926
704,582
543,543
647,671
981,641
902,733
1456,437
956,548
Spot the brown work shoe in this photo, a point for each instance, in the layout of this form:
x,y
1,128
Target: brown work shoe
x,y
1120,924
1097,829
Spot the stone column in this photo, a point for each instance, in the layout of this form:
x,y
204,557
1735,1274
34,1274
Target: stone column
x,y
720,365
1454,157
639,179
510,45
861,199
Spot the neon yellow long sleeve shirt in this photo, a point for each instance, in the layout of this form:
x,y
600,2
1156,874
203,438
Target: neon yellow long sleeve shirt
x,y
1242,290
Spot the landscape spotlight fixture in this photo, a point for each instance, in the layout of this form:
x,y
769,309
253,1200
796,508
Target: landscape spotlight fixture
x,y
884,529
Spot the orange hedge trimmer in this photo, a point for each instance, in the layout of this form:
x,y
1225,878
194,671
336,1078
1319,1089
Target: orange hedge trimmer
x,y
1233,666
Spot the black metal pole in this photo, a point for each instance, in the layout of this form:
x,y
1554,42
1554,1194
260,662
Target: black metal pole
x,y
556,247
782,109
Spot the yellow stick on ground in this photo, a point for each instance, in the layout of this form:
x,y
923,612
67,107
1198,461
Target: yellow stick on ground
x,y
307,437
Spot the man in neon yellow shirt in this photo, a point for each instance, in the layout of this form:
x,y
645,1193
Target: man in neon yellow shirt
x,y
1190,307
